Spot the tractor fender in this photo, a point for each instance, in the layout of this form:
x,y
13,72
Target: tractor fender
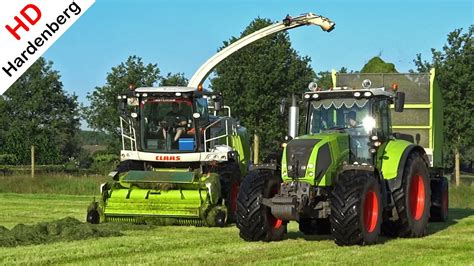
x,y
396,182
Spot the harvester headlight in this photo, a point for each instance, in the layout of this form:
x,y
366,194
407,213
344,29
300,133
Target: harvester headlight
x,y
134,115
315,96
357,94
145,94
178,94
119,97
307,96
367,94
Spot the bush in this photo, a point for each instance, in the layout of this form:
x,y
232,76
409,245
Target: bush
x,y
8,159
104,163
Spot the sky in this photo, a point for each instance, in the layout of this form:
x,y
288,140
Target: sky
x,y
180,35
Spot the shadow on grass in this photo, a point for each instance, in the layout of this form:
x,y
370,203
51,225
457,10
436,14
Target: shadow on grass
x,y
455,214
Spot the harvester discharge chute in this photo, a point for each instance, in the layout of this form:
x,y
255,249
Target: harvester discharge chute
x,y
182,159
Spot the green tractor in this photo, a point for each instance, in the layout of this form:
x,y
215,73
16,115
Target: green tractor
x,y
180,162
350,175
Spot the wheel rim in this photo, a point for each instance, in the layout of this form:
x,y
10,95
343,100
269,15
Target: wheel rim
x,y
275,223
417,197
234,191
371,211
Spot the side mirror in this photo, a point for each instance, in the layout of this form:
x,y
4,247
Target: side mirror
x,y
282,106
122,106
399,102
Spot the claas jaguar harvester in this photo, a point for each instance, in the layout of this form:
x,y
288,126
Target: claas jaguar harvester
x,y
182,158
366,164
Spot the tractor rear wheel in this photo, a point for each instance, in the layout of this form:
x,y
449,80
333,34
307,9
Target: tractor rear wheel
x,y
254,220
356,209
413,198
440,200
315,226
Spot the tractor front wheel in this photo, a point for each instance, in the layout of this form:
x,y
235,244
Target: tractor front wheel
x,y
413,198
254,220
356,209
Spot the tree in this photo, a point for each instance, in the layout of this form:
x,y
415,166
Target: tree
x,y
377,65
177,79
254,80
102,114
38,112
454,69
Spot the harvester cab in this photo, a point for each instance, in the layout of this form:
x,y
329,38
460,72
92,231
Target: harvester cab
x,y
180,162
349,174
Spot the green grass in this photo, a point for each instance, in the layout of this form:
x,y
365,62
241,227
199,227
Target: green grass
x,y
446,243
51,183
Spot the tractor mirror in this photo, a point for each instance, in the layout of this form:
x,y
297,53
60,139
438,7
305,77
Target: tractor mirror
x,y
217,104
282,106
122,106
399,101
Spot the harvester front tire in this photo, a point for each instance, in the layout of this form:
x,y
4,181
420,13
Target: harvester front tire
x,y
413,198
440,200
254,220
356,209
93,217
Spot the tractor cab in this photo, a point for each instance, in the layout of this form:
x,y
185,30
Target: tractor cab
x,y
362,114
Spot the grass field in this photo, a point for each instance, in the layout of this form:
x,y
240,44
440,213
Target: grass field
x,y
446,243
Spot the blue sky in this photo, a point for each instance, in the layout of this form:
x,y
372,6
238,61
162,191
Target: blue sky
x,y
180,35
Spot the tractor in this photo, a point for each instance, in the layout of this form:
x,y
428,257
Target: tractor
x,y
182,158
350,174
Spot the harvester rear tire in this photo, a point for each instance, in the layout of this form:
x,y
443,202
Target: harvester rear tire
x,y
356,209
315,226
413,198
254,220
440,200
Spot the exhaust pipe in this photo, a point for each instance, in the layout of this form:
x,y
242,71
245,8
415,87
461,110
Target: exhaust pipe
x,y
293,118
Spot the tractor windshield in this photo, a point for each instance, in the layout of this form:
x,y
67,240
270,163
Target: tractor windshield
x,y
167,125
351,115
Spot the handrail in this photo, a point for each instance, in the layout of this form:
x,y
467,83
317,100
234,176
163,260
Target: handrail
x,y
218,137
131,130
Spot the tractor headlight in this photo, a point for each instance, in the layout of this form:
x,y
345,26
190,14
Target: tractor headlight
x,y
315,96
368,123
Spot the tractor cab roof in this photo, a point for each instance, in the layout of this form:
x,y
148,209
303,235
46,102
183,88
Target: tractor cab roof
x,y
165,89
347,92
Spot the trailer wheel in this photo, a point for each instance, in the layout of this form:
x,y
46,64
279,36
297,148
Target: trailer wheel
x,y
356,209
315,226
413,198
254,220
440,200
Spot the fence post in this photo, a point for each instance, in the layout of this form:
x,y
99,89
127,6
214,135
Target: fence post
x,y
32,161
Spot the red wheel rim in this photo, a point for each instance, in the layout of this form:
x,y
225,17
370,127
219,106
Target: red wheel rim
x,y
234,191
371,211
274,222
417,197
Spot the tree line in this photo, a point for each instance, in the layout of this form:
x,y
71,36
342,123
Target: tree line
x,y
36,110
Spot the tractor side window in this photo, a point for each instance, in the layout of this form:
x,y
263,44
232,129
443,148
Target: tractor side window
x,y
382,118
